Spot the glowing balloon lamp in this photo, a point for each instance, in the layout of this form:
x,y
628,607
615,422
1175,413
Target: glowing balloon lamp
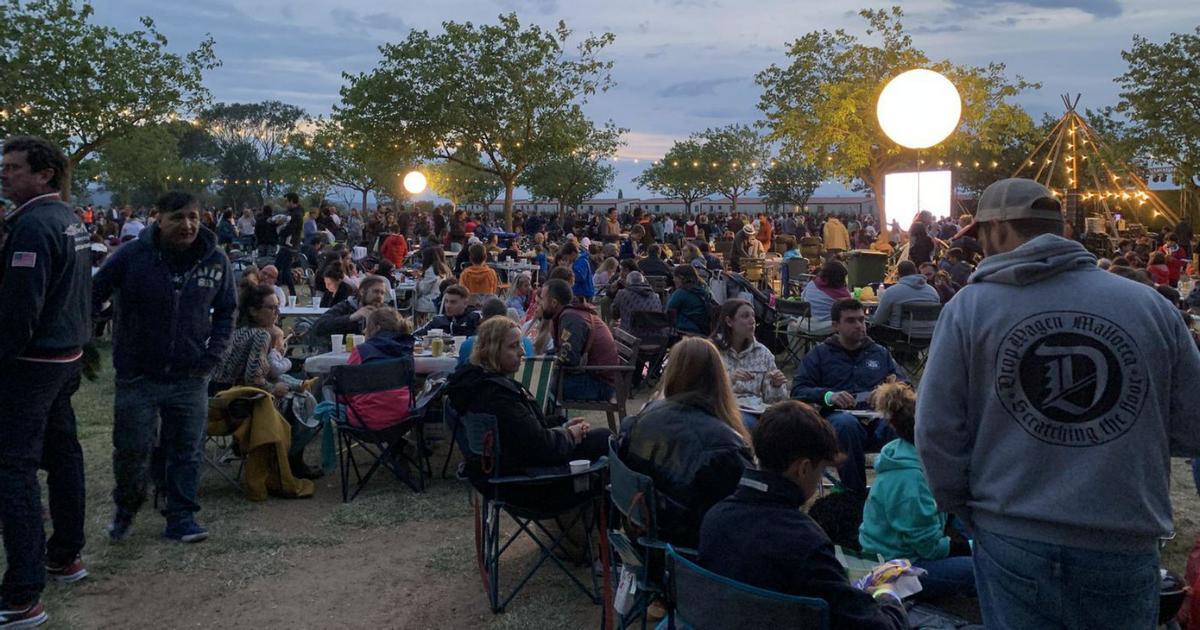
x,y
919,108
414,182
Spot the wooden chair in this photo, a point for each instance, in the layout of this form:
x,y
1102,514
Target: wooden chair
x,y
613,408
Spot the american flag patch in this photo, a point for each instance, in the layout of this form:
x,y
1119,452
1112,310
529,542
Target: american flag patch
x,y
24,259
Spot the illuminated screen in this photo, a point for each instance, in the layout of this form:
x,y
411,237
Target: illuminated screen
x,y
903,198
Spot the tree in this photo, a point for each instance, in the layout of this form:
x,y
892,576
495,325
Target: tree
x,y
736,156
1158,94
681,174
823,102
82,85
463,184
139,167
347,160
265,126
571,178
790,182
513,93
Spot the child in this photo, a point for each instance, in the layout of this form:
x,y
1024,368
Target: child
x,y
901,519
760,536
280,364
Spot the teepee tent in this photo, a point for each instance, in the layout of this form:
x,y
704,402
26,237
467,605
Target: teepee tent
x,y
1072,161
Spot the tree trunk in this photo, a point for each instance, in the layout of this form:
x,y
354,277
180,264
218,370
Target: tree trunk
x,y
509,184
876,182
364,203
734,199
66,182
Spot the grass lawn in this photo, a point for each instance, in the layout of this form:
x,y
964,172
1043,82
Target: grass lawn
x,y
389,559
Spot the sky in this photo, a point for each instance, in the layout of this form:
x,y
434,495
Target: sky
x,y
680,65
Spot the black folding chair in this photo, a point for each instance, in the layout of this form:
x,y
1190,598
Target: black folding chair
x,y
384,447
579,500
917,320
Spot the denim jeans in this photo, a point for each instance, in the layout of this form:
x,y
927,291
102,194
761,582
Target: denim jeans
x,y
585,387
953,576
1029,585
855,439
182,406
37,429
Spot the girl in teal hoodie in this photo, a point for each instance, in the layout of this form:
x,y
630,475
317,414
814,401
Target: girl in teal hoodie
x,y
901,519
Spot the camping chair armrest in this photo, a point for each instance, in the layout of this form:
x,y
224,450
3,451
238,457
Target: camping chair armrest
x,y
597,466
654,543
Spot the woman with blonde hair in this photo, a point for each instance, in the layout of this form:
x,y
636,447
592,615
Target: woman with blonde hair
x,y
690,440
529,439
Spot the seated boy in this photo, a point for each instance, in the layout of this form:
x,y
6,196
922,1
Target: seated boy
x,y
759,536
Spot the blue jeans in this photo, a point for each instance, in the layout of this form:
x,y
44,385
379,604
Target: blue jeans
x,y
953,576
855,439
182,406
585,387
37,430
1030,585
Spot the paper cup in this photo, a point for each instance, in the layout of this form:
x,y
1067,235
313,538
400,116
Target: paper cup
x,y
316,301
338,342
292,301
579,466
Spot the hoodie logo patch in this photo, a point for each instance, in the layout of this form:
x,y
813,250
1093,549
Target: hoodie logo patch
x,y
1071,379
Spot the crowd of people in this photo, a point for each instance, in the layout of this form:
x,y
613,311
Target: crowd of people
x,y
1029,469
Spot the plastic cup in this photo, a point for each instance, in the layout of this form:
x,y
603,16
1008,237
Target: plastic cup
x,y
359,340
338,342
292,301
316,301
579,466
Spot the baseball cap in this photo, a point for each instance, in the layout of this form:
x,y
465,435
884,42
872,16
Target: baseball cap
x,y
1011,199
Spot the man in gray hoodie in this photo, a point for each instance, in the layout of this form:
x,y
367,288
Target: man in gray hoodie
x,y
910,287
1057,395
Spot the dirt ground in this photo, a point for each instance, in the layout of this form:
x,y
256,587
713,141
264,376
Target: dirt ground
x,y
390,559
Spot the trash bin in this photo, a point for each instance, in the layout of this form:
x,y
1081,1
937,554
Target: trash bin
x,y
865,267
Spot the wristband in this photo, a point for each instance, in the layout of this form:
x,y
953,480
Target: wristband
x,y
829,399
886,592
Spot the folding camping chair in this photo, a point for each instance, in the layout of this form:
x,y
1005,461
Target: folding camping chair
x,y
384,447
495,493
917,320
633,535
705,600
219,435
656,333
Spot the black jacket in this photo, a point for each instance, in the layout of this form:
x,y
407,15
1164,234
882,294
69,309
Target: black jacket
x,y
169,323
336,321
760,537
45,282
293,233
462,326
693,458
527,438
651,266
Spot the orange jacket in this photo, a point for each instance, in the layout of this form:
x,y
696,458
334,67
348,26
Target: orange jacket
x,y
479,279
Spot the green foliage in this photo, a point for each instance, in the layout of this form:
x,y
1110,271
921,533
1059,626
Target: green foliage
x,y
82,85
583,173
512,92
790,182
683,173
822,104
463,183
142,165
333,156
1158,93
739,155
264,126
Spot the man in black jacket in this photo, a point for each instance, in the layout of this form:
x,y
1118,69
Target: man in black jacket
x,y
760,537
458,318
174,299
349,317
45,281
290,240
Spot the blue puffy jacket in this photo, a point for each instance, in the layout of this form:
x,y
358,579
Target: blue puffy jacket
x,y
159,331
583,277
830,367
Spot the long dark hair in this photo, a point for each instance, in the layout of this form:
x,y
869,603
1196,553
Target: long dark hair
x,y
833,274
251,298
436,258
722,334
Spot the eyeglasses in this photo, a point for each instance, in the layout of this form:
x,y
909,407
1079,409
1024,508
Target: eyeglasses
x,y
273,307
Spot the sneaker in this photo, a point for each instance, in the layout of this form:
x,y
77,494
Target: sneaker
x,y
72,571
28,616
186,531
121,526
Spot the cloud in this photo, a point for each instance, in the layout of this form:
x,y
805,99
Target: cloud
x,y
942,28
1096,8
373,21
691,89
545,7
